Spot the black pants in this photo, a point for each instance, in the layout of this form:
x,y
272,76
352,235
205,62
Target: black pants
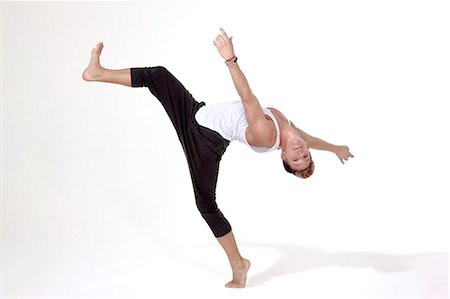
x,y
203,147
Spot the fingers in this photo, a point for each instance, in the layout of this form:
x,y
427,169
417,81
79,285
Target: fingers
x,y
349,153
223,33
218,42
345,158
222,38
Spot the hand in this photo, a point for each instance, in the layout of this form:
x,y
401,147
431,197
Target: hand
x,y
224,45
343,153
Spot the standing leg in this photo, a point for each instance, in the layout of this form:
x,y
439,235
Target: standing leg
x,y
95,72
204,152
239,265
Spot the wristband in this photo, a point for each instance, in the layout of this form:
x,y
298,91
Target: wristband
x,y
231,61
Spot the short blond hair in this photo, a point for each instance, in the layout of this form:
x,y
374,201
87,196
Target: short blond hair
x,y
307,172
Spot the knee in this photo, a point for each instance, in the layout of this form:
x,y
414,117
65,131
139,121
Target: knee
x,y
206,206
216,221
160,71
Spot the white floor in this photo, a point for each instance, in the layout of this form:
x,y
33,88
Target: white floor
x,y
138,269
127,255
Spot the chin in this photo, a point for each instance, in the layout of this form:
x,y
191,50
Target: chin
x,y
302,141
295,141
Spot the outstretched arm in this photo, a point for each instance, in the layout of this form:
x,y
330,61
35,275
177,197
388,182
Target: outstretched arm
x,y
259,127
341,151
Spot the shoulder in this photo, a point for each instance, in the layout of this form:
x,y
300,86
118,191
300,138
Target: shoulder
x,y
280,116
277,112
305,136
262,133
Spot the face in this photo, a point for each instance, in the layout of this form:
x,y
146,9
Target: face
x,y
296,153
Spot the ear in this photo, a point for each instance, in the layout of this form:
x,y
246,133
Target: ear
x,y
283,155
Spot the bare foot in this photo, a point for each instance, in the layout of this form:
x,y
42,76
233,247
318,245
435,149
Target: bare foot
x,y
239,275
94,69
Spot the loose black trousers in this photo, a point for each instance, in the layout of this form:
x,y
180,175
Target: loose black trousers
x,y
202,146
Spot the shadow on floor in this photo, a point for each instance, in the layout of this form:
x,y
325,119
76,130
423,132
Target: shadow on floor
x,y
297,258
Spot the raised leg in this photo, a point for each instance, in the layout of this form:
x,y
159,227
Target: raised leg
x,y
239,265
96,73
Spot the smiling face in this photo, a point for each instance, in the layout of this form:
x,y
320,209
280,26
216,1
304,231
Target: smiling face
x,y
296,153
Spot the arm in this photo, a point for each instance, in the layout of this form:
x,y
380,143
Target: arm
x,y
259,127
341,151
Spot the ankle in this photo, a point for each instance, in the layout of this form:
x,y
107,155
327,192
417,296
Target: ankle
x,y
99,73
238,264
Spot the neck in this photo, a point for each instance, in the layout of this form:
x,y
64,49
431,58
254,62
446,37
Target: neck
x,y
286,133
286,130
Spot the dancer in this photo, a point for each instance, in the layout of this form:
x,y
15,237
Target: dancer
x,y
205,131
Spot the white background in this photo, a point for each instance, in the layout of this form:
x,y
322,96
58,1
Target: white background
x,y
96,195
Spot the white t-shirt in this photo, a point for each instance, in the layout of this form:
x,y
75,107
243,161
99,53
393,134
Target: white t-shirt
x,y
228,119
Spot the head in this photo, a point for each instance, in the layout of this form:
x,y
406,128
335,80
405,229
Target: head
x,y
297,158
